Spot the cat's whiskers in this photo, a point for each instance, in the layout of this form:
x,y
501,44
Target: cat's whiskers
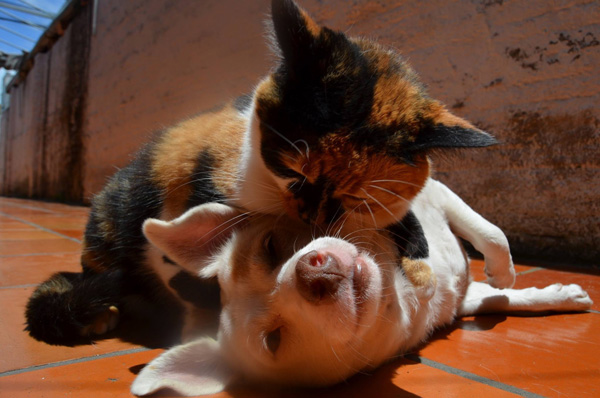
x,y
344,320
289,188
398,236
380,204
280,153
350,234
398,181
303,181
342,222
371,212
228,179
390,192
282,136
307,149
331,225
239,218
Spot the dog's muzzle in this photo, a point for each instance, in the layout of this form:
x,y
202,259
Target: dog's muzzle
x,y
319,276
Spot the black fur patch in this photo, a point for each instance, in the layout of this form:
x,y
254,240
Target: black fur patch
x,y
203,187
167,260
409,237
441,136
324,83
332,209
67,302
114,229
200,292
312,196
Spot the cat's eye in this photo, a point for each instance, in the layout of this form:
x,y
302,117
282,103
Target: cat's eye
x,y
273,340
353,197
289,173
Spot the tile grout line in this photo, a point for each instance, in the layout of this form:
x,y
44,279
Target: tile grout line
x,y
529,271
19,286
40,227
20,206
471,376
73,361
37,254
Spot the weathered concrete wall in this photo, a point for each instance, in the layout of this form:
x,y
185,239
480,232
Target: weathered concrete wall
x,y
43,146
156,62
525,71
24,123
528,73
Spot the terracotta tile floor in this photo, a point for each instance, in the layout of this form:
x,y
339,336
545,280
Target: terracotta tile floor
x,y
492,356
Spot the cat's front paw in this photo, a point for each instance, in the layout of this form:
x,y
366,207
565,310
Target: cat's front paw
x,y
105,322
569,297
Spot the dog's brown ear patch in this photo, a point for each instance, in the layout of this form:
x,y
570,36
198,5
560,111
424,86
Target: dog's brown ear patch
x,y
193,238
421,276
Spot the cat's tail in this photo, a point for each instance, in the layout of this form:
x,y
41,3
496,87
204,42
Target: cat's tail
x,y
70,306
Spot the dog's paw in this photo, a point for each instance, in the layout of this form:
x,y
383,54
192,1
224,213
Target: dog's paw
x,y
500,276
105,322
568,297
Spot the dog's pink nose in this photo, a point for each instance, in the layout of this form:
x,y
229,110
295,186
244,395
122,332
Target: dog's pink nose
x,y
318,276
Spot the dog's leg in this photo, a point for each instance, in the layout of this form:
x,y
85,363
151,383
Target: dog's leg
x,y
485,237
482,298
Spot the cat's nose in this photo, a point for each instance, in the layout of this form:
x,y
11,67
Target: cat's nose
x,y
318,276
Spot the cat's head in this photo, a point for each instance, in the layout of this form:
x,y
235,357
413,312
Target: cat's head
x,y
345,125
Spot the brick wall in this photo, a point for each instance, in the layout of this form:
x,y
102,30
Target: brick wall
x,y
525,71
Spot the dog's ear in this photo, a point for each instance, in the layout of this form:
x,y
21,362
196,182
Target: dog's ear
x,y
195,368
192,239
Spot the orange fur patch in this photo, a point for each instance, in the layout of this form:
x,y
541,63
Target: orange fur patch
x,y
267,96
176,154
240,260
311,25
361,175
440,115
398,99
396,102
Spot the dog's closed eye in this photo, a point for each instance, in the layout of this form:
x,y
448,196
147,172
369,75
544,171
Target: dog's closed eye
x,y
270,250
273,340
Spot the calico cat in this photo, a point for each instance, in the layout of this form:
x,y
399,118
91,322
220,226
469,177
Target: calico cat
x,y
340,129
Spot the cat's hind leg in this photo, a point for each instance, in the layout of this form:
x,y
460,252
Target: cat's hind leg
x,y
482,298
69,306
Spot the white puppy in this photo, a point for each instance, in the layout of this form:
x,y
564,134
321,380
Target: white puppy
x,y
313,312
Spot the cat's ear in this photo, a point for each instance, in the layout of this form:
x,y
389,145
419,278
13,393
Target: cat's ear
x,y
192,239
446,130
295,31
195,368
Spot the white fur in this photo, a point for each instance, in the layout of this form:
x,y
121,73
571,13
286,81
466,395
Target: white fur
x,y
324,343
257,188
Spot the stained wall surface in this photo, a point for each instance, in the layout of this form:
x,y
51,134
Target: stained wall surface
x,y
525,71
